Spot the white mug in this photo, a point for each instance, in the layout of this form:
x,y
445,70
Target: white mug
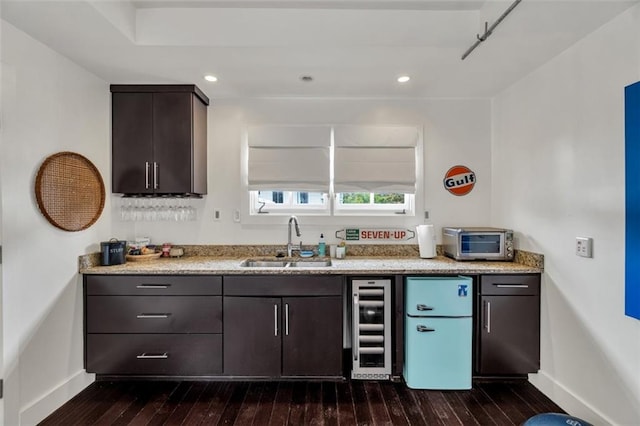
x,y
341,252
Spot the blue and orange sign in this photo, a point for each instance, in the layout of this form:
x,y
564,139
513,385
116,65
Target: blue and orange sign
x,y
459,180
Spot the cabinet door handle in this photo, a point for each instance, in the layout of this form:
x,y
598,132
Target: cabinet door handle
x,y
275,320
512,285
153,356
146,175
488,326
153,286
424,329
286,319
156,185
153,316
422,307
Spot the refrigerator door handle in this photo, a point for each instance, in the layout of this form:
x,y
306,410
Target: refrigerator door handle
x,y
424,329
422,307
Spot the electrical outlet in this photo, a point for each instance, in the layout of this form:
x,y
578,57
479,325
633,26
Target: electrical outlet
x,y
584,246
426,215
236,215
216,215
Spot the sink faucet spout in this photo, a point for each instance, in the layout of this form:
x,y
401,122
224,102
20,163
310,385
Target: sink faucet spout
x,y
290,246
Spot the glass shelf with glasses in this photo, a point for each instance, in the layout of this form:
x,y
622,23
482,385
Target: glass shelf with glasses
x,y
153,209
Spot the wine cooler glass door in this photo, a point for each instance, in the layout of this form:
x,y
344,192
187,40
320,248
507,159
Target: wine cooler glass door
x,y
371,329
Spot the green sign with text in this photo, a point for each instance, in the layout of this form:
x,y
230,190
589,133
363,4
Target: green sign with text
x,y
352,234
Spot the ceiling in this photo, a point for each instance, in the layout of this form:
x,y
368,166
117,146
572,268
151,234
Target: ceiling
x,y
351,48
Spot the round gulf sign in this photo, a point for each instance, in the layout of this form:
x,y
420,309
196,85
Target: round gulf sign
x,y
459,180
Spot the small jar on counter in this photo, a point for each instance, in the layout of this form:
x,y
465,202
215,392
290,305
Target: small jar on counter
x,y
166,249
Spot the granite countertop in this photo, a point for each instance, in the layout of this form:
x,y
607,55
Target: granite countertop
x,y
217,265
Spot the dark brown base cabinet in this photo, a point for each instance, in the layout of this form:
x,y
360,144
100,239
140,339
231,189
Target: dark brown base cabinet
x,y
155,325
508,326
283,326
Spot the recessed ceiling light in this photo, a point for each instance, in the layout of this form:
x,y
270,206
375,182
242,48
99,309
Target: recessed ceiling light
x,y
211,78
403,79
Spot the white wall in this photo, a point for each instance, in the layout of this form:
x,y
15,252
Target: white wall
x,y
455,132
558,166
49,105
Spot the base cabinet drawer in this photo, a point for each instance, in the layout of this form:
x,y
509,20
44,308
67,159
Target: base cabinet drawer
x,y
152,285
154,354
154,314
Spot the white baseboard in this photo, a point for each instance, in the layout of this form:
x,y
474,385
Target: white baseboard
x,y
38,410
567,400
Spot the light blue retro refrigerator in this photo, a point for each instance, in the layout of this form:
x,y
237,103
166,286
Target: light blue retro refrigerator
x,y
438,332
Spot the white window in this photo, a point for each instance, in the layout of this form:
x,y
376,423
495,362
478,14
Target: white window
x,y
324,170
289,202
384,203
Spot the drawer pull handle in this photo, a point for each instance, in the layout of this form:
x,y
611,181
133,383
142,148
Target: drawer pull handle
x,y
153,316
153,356
153,286
512,285
424,329
422,307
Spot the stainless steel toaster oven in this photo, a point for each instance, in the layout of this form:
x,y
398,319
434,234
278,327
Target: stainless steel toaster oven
x,y
475,243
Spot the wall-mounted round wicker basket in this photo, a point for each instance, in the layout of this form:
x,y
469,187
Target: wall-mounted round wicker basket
x,y
69,191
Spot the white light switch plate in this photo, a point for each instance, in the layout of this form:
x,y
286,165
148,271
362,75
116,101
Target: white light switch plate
x,y
584,246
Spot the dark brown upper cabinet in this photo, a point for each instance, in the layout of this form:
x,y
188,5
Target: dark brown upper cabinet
x,y
159,140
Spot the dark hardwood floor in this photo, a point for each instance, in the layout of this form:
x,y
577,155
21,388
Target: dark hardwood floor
x,y
299,403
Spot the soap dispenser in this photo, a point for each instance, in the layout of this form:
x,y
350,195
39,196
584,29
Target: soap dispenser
x,y
321,246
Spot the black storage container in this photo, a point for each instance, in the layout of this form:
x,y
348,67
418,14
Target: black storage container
x,y
112,252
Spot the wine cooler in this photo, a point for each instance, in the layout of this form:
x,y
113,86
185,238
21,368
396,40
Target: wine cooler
x,y
371,333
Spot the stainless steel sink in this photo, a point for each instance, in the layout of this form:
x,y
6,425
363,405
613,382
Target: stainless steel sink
x,y
254,263
310,264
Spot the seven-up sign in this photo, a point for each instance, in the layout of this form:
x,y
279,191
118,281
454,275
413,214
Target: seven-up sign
x,y
375,234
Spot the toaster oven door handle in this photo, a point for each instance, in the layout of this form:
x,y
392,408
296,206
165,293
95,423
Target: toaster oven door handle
x,y
512,285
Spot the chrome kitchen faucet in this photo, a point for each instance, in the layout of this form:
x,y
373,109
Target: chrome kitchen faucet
x,y
290,246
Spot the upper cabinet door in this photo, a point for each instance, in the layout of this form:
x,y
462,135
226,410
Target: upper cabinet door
x,y
173,146
132,143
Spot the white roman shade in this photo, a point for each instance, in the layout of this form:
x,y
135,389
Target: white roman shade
x,y
375,159
289,158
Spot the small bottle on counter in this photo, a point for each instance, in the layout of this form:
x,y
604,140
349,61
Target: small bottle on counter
x,y
322,247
